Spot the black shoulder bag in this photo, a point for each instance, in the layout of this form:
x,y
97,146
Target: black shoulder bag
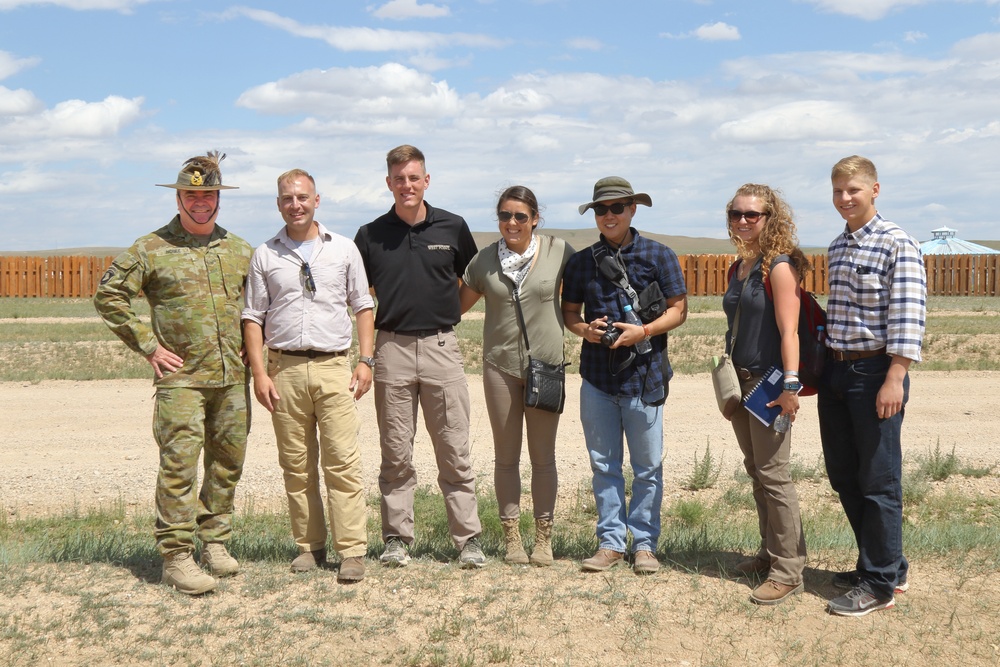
x,y
545,386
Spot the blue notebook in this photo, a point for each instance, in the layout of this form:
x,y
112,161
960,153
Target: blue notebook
x,y
771,384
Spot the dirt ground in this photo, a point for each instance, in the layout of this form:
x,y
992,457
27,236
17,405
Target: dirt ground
x,y
80,444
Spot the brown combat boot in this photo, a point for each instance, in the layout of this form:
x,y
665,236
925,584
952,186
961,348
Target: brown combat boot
x,y
352,569
181,572
512,542
309,560
541,555
218,561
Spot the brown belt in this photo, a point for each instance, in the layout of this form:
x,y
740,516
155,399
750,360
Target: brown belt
x,y
743,374
848,355
312,354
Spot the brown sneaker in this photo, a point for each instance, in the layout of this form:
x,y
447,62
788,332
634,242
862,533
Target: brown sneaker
x,y
308,560
753,566
218,561
645,563
181,572
771,592
604,559
351,569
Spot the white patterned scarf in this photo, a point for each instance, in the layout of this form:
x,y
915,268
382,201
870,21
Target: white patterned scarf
x,y
516,266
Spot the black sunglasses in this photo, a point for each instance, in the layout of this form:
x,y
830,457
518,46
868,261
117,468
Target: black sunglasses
x,y
751,216
617,209
505,216
307,272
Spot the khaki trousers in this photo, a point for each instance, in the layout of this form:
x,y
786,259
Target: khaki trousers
x,y
425,370
766,457
316,427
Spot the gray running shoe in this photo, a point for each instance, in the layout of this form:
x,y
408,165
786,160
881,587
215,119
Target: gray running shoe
x,y
858,602
395,553
472,555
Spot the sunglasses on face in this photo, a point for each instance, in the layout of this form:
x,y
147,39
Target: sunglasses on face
x,y
617,209
307,273
751,216
505,216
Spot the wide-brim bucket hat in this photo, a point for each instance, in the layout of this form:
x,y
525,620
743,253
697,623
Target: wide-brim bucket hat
x,y
615,187
201,172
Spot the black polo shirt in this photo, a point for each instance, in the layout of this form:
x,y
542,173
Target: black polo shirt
x,y
415,270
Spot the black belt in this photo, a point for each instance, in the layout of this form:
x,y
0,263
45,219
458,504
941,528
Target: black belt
x,y
312,354
424,333
848,355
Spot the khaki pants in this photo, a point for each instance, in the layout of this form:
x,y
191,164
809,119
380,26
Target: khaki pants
x,y
316,427
186,422
505,405
766,457
426,370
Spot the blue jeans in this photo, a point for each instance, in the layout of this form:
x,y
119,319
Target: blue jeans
x,y
605,419
864,461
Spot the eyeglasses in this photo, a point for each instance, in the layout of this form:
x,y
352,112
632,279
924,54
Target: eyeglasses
x,y
617,209
307,273
751,216
505,216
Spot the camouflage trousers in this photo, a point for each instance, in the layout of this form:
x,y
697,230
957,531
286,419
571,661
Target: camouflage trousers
x,y
186,422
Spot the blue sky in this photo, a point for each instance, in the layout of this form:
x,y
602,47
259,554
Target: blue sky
x,y
688,99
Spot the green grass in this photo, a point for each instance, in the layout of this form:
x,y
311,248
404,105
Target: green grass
x,y
11,307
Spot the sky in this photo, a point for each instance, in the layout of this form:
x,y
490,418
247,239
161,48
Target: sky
x,y
687,99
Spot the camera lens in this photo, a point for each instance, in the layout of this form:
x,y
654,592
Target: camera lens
x,y
610,335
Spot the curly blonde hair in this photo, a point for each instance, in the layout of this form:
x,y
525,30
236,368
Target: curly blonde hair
x,y
778,236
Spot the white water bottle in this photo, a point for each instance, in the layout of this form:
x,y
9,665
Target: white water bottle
x,y
643,346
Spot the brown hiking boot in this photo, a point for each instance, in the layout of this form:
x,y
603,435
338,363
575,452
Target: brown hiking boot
x,y
771,592
512,540
182,573
541,555
218,561
753,566
604,559
308,560
351,569
645,563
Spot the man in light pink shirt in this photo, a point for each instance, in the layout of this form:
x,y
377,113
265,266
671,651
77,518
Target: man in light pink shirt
x,y
300,287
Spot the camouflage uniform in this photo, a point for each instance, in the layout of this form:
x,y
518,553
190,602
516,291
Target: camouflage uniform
x,y
195,293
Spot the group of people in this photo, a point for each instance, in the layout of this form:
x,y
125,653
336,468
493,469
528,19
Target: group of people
x,y
216,306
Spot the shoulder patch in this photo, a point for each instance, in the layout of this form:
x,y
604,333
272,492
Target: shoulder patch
x,y
108,275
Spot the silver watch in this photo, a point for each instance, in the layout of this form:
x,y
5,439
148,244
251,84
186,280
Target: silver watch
x,y
370,361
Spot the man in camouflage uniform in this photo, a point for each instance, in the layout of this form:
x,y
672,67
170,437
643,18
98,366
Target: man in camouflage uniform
x,y
192,273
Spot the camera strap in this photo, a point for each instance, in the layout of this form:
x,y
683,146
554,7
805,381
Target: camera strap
x,y
612,268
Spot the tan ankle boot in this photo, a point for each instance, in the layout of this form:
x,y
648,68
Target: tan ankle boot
x,y
541,555
512,540
181,572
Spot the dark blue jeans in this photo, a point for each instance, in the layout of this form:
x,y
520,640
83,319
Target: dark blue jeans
x,y
864,461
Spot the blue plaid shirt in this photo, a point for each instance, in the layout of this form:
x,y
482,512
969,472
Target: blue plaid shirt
x,y
878,291
645,261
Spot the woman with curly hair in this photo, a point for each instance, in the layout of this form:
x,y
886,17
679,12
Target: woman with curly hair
x,y
763,293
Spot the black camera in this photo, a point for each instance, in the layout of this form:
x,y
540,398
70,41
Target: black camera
x,y
610,335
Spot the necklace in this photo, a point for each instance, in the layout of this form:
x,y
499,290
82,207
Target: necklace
x,y
745,268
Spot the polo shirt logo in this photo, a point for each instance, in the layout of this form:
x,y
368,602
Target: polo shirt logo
x,y
439,246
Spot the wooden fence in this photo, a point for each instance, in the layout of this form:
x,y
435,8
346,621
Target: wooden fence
x,y
705,275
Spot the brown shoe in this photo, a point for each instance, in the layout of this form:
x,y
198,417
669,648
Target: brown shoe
x,y
308,560
771,592
351,569
645,563
753,566
604,559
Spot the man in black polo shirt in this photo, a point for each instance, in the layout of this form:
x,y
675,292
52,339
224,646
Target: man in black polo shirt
x,y
414,256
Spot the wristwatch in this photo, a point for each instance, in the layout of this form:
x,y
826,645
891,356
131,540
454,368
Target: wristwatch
x,y
370,361
794,387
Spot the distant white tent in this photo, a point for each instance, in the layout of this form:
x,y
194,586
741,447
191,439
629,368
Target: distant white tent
x,y
946,243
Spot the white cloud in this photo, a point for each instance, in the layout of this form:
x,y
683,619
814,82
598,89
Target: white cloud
x,y
584,44
913,36
124,6
812,120
10,64
717,32
409,9
366,39
869,10
387,91
18,102
74,119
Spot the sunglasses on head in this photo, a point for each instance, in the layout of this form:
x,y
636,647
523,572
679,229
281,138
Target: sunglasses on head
x,y
505,216
617,209
751,216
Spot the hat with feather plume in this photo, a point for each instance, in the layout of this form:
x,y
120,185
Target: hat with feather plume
x,y
200,173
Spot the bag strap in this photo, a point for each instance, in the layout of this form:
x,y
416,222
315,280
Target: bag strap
x,y
523,328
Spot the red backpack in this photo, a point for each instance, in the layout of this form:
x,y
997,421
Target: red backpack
x,y
812,334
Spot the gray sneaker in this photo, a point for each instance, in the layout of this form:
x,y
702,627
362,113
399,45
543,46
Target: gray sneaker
x,y
472,555
858,602
395,553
